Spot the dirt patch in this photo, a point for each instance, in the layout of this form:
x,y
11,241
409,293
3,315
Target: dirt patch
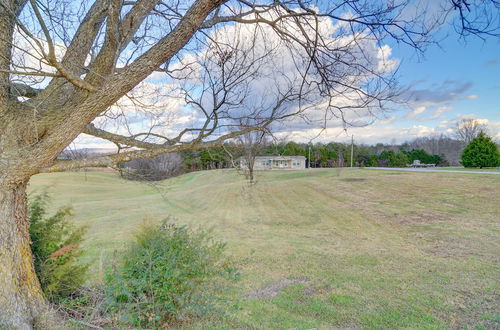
x,y
275,288
309,291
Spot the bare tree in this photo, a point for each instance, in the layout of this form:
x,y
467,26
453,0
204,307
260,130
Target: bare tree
x,y
72,67
153,169
468,129
448,148
250,145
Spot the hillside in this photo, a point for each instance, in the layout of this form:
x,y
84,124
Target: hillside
x,y
319,248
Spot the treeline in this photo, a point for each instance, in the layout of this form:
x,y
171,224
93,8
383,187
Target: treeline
x,y
318,155
441,151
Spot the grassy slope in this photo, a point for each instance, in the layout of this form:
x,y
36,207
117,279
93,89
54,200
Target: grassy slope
x,y
378,249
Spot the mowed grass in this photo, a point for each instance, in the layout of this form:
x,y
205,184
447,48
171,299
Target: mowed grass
x,y
458,168
321,248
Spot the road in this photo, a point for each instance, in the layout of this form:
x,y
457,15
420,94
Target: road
x,y
427,170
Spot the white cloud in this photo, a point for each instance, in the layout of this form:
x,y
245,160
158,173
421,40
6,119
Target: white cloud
x,y
84,141
28,57
154,107
369,134
281,65
472,96
384,132
386,63
437,113
415,112
385,121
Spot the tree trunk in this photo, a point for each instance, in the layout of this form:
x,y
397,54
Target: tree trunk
x,y
250,172
21,298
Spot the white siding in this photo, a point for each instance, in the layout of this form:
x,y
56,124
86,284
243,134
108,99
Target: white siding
x,y
277,162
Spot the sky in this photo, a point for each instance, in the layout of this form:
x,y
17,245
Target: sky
x,y
453,80
459,79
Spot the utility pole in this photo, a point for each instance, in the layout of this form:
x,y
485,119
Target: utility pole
x,y
352,147
309,159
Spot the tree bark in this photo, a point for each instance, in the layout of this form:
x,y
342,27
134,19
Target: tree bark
x,y
21,297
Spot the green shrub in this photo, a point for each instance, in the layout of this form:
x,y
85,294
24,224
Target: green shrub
x,y
56,248
167,275
394,159
481,152
373,161
423,156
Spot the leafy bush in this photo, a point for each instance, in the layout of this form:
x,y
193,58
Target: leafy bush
x,y
481,152
56,248
394,159
168,274
373,161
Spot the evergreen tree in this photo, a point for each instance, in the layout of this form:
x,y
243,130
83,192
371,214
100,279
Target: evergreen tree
x,y
56,247
481,152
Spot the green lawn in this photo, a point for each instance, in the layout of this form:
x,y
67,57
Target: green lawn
x,y
319,249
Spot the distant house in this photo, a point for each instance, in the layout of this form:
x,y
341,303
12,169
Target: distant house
x,y
276,162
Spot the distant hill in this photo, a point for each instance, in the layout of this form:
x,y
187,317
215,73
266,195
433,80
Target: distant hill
x,y
85,152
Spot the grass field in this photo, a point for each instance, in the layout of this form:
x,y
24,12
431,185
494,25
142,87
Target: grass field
x,y
321,248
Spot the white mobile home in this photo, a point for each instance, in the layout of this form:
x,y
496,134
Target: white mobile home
x,y
277,162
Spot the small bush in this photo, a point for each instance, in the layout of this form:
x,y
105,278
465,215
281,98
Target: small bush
x,y
167,275
56,248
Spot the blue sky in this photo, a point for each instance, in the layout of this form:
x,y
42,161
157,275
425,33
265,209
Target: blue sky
x,y
455,79
452,80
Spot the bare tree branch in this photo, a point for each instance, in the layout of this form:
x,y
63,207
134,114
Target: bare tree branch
x,y
112,160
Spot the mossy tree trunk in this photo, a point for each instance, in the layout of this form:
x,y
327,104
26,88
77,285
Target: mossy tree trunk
x,y
21,298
